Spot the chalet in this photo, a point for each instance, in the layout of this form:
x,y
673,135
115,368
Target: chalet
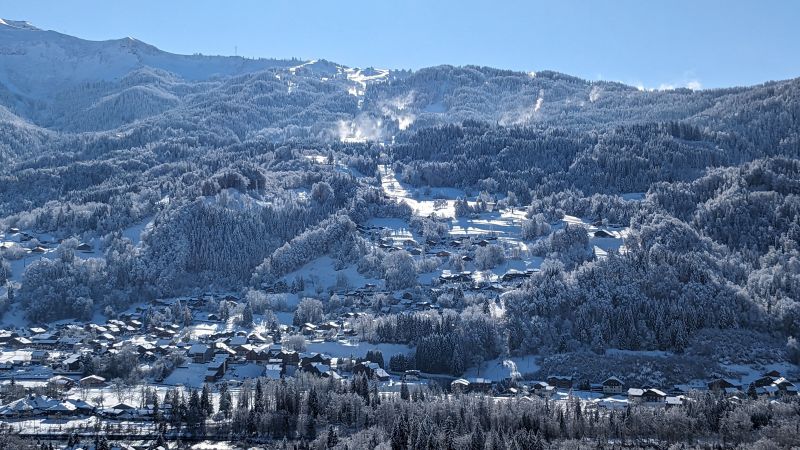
x,y
318,369
541,388
612,386
288,357
6,337
84,247
560,381
480,385
216,368
463,277
648,396
222,349
236,342
371,370
92,381
763,381
785,387
311,358
200,353
327,326
256,353
38,249
61,382
720,385
671,401
69,343
459,386
39,356
443,254
603,234
513,274
71,364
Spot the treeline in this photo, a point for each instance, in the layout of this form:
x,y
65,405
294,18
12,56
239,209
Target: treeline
x,y
313,413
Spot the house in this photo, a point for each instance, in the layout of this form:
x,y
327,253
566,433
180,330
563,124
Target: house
x,y
216,368
513,274
785,387
318,369
92,381
459,386
371,370
603,234
560,381
648,396
310,358
200,353
71,364
62,382
654,396
84,247
719,385
480,384
612,386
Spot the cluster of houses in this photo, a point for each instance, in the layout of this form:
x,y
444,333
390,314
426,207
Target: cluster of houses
x,y
33,243
613,392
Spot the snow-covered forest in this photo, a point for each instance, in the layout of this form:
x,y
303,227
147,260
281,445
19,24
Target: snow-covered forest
x,y
489,214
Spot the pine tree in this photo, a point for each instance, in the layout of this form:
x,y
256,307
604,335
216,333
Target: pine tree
x,y
399,439
225,401
333,438
205,401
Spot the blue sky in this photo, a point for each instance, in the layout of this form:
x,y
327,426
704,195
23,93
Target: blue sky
x,y
708,43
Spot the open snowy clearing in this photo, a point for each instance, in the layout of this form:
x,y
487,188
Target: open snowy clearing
x,y
322,274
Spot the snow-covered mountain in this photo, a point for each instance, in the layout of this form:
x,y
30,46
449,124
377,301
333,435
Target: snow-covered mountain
x,y
33,59
67,84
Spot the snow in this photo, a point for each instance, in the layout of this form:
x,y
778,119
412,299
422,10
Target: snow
x,y
583,395
191,375
363,77
136,232
398,191
499,369
244,371
749,373
344,349
321,273
39,63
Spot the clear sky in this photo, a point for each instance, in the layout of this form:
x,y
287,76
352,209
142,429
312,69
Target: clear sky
x,y
708,43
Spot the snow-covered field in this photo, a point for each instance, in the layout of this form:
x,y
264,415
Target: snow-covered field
x,y
321,274
418,202
357,349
